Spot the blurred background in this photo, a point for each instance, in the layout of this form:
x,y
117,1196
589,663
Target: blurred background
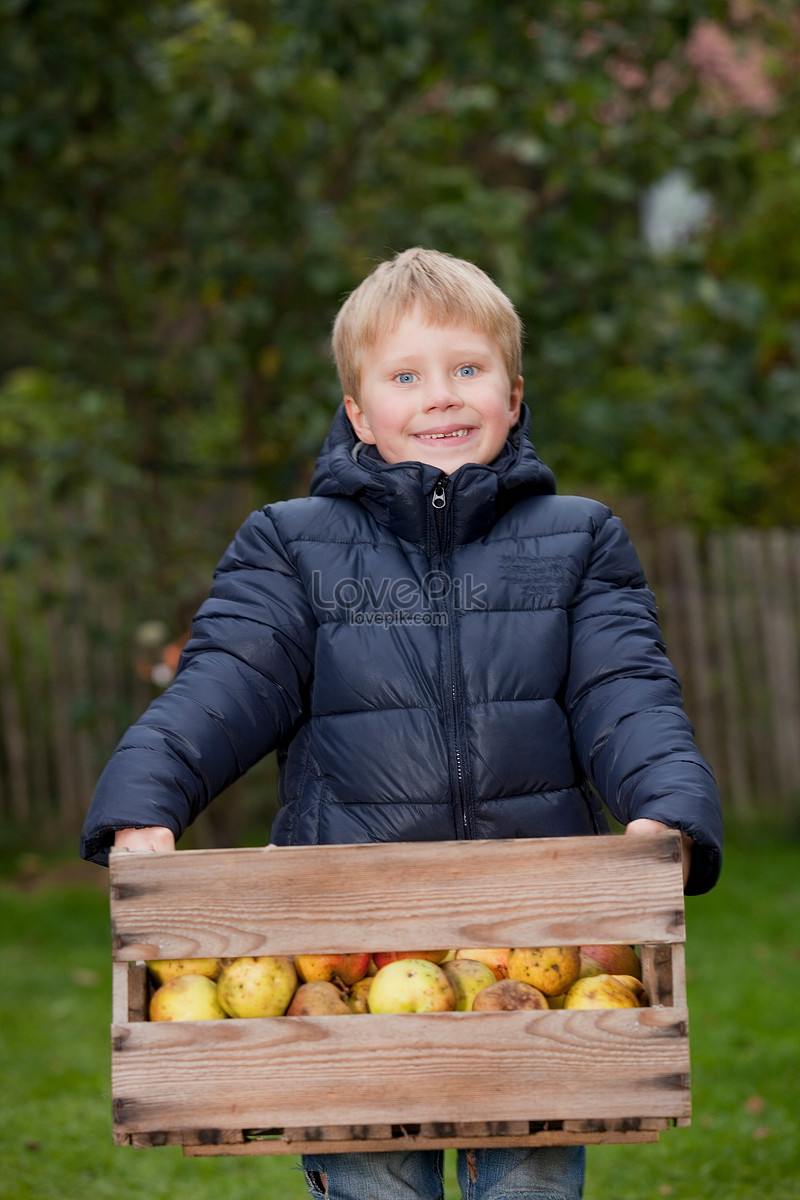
x,y
189,190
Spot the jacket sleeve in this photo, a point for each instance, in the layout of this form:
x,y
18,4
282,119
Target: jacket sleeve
x,y
239,692
632,737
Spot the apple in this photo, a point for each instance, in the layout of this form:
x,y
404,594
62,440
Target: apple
x,y
345,969
164,969
496,959
606,991
358,996
411,985
468,977
551,969
257,987
609,960
318,998
186,998
383,957
507,995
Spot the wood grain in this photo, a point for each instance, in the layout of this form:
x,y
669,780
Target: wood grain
x,y
328,899
392,1069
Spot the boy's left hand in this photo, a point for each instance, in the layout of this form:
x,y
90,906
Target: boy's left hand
x,y
645,825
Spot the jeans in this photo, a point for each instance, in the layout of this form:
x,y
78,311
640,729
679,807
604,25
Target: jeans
x,y
536,1173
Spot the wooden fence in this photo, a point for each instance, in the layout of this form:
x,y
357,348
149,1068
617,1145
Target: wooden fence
x,y
71,676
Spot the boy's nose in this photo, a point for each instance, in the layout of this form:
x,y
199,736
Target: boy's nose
x,y
442,393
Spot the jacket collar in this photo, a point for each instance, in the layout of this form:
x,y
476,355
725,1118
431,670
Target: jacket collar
x,y
399,495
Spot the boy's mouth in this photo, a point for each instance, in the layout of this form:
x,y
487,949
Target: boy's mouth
x,y
454,433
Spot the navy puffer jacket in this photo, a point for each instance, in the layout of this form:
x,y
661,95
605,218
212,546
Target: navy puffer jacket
x,y
433,657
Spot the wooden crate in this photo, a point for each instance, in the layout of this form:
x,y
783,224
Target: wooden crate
x,y
289,1085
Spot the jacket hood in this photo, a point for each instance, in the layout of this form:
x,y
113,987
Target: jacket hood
x,y
399,494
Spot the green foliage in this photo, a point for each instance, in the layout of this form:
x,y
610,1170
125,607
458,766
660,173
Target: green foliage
x,y
191,189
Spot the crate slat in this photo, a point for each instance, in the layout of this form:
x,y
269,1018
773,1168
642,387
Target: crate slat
x,y
331,899
393,1069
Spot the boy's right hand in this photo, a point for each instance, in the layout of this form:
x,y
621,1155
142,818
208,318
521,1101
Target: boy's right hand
x,y
156,837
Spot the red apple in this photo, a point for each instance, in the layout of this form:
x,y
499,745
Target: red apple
x,y
344,969
609,960
389,956
497,960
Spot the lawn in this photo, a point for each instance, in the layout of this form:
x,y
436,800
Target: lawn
x,y
743,955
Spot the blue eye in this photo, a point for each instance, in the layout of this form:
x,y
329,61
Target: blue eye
x,y
405,377
467,372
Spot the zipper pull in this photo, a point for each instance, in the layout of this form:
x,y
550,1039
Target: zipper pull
x,y
439,498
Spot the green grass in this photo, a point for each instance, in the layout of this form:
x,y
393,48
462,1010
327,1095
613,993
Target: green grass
x,y
743,957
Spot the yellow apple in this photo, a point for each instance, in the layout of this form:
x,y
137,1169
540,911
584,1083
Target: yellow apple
x,y
257,987
186,998
606,991
411,985
551,969
468,977
164,969
357,997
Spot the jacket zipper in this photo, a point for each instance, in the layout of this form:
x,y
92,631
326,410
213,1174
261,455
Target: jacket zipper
x,y
443,528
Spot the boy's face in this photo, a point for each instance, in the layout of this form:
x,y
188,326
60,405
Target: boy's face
x,y
435,394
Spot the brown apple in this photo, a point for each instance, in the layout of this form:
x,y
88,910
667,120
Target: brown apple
x,y
507,995
551,969
319,998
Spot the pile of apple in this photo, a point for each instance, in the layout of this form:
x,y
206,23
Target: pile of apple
x,y
414,981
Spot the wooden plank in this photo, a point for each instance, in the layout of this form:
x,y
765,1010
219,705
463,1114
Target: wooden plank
x,y
442,1066
733,699
544,1137
440,895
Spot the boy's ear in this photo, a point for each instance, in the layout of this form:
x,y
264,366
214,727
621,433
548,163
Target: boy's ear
x,y
515,401
359,421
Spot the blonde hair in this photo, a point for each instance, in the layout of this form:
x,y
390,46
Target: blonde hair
x,y
445,289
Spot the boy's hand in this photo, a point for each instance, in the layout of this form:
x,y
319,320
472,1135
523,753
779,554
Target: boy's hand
x,y
156,837
645,825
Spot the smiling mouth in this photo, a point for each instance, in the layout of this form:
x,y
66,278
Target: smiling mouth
x,y
436,437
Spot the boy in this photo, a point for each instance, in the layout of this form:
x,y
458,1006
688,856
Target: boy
x,y
437,645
